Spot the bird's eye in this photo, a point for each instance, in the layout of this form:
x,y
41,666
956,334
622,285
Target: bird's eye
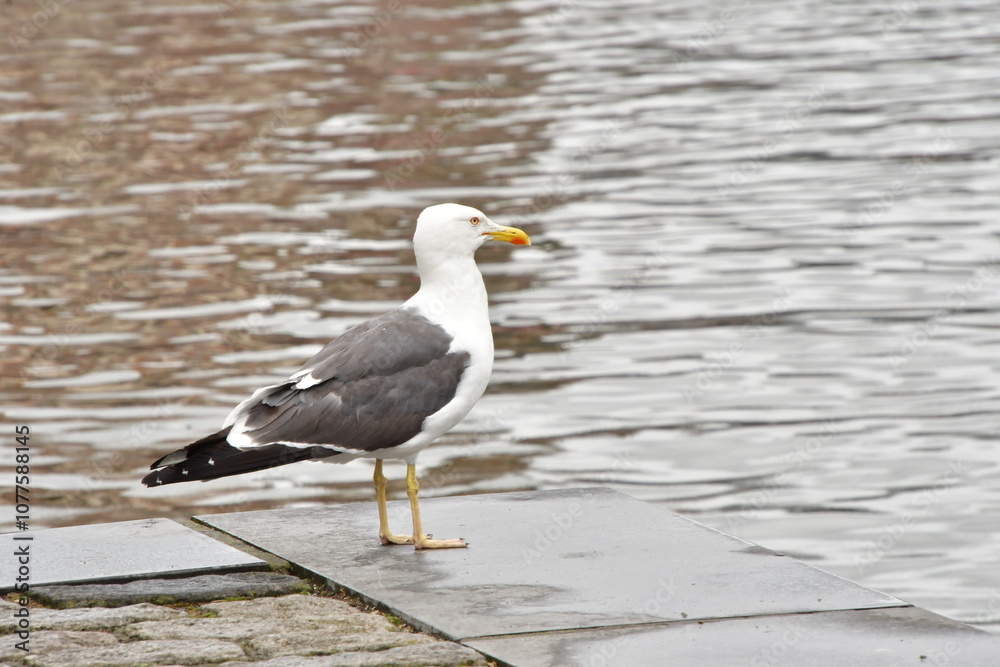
x,y
474,220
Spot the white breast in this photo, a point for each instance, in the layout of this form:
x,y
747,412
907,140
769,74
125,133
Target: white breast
x,y
469,326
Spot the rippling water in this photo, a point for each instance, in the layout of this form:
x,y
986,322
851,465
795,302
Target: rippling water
x,y
762,290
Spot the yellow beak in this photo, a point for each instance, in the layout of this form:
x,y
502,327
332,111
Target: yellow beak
x,y
510,235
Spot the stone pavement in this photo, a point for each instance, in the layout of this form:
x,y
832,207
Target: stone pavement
x,y
118,551
156,592
288,631
594,577
551,579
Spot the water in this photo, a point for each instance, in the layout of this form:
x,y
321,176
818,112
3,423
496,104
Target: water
x,y
762,290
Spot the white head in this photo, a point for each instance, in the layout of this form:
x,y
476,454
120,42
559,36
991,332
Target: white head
x,y
453,230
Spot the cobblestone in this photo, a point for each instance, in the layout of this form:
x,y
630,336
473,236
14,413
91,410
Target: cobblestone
x,y
169,591
288,631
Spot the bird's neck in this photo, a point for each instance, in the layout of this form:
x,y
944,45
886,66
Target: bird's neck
x,y
451,289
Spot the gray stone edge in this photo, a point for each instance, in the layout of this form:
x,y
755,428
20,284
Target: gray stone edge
x,y
485,644
339,588
172,574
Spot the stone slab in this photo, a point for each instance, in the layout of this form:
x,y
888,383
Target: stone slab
x,y
203,588
118,552
870,638
546,561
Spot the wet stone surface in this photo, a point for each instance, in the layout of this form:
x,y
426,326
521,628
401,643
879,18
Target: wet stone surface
x,y
548,561
593,577
119,552
872,638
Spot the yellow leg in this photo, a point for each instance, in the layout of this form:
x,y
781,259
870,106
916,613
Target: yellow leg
x,y
384,533
421,541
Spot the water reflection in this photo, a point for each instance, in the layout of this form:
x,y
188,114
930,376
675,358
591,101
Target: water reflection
x,y
762,290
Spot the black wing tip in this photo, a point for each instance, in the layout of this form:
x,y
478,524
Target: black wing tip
x,y
226,460
208,443
151,480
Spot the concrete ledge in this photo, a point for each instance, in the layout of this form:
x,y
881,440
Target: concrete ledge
x,y
873,637
572,577
590,576
547,561
117,552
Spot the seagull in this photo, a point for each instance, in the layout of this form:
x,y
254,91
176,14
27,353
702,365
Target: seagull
x,y
385,389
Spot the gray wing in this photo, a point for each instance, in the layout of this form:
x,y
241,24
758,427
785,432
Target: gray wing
x,y
369,389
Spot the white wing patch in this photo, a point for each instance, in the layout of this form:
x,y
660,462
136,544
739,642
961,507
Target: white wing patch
x,y
246,441
305,379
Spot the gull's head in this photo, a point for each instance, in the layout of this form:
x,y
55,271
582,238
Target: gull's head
x,y
454,229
